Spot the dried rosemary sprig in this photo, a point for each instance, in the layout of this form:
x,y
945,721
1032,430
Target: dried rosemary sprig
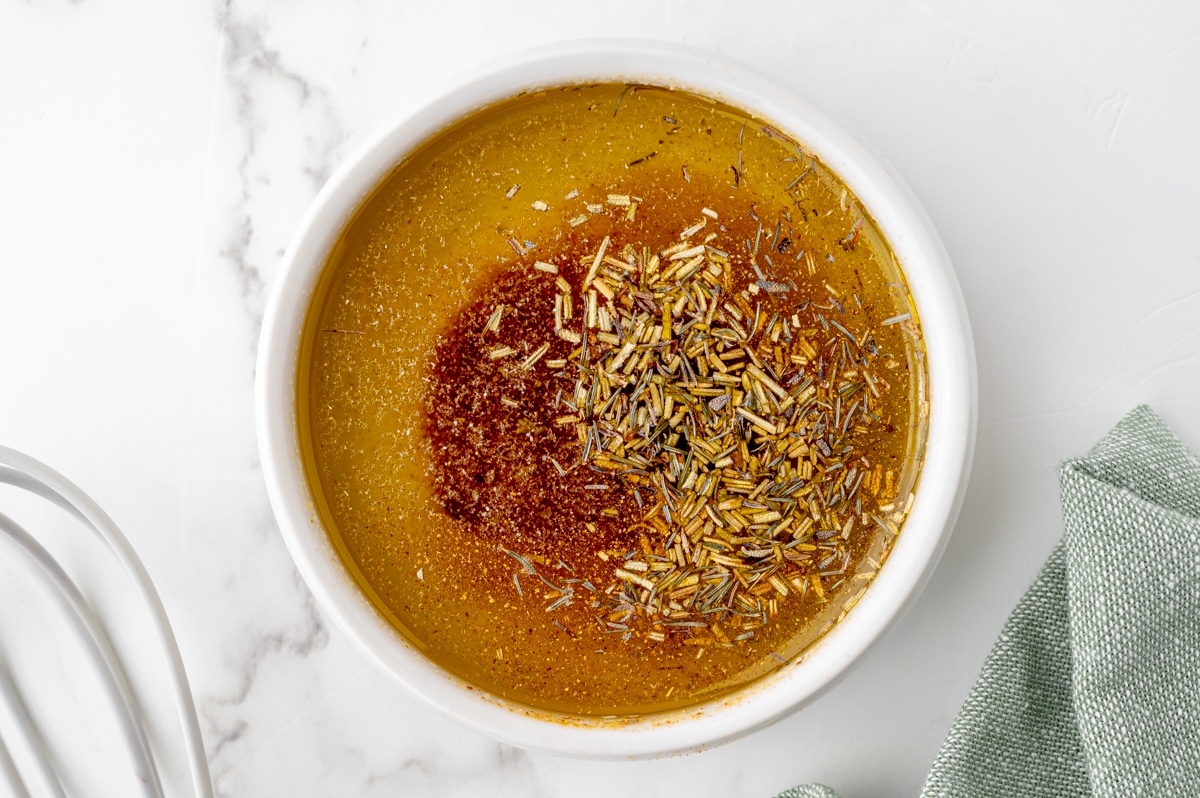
x,y
736,414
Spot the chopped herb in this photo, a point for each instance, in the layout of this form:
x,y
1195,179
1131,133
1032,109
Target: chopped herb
x,y
493,324
620,97
689,389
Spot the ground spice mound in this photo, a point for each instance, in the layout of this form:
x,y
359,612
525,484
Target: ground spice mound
x,y
493,436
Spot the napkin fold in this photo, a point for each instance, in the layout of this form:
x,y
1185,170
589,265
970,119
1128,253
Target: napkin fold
x,y
1093,688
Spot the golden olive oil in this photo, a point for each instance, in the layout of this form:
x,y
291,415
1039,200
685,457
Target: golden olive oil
x,y
534,546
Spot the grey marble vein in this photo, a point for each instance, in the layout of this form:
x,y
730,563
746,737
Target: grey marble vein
x,y
255,72
504,765
224,716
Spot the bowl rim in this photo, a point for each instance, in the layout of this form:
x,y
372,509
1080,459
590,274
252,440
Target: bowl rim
x,y
951,393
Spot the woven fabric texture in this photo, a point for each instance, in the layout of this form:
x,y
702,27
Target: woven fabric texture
x,y
808,791
1093,688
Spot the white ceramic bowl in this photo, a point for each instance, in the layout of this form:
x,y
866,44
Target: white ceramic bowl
x,y
951,393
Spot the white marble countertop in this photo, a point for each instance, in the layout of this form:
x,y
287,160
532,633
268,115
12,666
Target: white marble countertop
x,y
157,157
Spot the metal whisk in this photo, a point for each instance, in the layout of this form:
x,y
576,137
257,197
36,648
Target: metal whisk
x,y
30,475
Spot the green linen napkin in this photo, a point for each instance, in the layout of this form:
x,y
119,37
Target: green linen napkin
x,y
1093,688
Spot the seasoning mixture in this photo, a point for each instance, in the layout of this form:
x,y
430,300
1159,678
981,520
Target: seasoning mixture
x,y
614,399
